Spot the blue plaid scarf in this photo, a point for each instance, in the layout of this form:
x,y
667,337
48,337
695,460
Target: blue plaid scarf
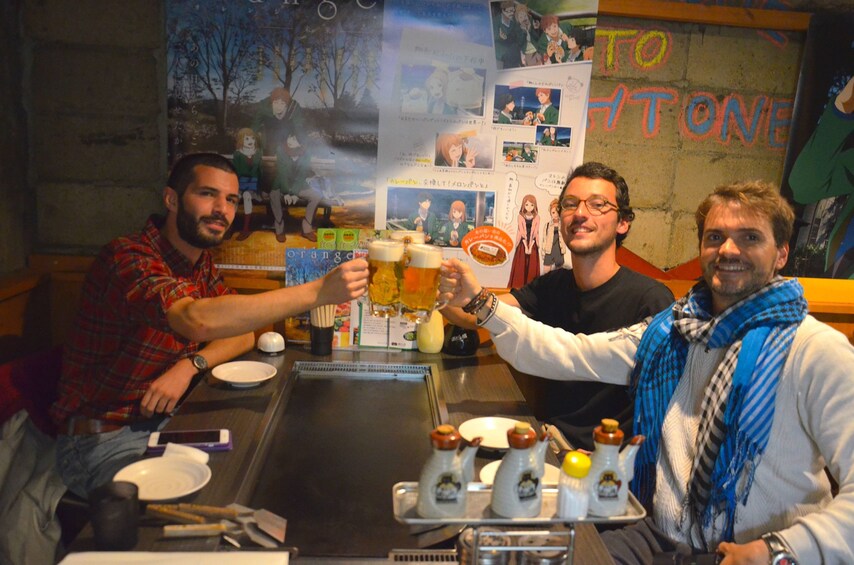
x,y
758,332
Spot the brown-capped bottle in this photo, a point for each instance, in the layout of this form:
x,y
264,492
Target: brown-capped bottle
x,y
442,485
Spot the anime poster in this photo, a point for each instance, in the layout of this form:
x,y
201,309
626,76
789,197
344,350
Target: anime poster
x,y
457,118
288,91
483,113
819,171
305,265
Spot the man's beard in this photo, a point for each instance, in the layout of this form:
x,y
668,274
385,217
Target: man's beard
x,y
587,248
753,280
590,249
189,228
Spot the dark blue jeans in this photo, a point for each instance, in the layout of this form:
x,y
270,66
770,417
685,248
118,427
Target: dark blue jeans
x,y
88,461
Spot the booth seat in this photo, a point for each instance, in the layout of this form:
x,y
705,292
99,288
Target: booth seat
x,y
36,512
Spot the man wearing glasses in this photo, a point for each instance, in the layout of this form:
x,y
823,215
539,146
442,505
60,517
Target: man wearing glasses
x,y
509,37
596,295
741,395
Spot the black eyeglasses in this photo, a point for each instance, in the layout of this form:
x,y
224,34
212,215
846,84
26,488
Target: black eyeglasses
x,y
596,205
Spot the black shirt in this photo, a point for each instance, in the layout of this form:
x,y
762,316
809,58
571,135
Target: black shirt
x,y
554,299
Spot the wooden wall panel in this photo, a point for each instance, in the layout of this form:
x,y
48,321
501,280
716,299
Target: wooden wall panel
x,y
37,307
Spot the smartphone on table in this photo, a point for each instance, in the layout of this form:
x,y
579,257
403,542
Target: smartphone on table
x,y
206,440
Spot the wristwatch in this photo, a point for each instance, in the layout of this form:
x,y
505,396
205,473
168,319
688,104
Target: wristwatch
x,y
199,362
779,552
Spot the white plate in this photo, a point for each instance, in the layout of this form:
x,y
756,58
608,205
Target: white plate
x,y
165,478
551,475
493,430
175,557
244,373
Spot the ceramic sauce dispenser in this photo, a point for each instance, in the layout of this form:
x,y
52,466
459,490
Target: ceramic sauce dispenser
x,y
517,491
611,470
444,478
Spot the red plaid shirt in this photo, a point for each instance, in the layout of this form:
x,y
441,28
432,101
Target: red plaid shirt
x,y
121,341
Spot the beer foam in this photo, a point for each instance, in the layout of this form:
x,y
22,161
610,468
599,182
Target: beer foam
x,y
388,251
424,256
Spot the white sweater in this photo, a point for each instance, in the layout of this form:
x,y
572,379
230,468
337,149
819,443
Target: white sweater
x,y
812,428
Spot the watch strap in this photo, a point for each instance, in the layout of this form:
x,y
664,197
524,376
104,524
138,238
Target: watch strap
x,y
779,553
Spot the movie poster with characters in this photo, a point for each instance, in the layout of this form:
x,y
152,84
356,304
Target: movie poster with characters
x,y
459,119
289,91
819,171
482,126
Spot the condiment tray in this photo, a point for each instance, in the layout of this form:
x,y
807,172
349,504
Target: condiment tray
x,y
478,511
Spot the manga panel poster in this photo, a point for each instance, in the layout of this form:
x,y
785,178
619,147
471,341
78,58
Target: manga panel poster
x,y
458,118
819,171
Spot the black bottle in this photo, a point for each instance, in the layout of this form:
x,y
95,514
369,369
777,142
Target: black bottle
x,y
460,341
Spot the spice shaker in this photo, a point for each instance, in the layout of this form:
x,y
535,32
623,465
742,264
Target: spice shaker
x,y
573,497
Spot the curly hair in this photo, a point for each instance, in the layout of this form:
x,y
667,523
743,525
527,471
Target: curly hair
x,y
594,170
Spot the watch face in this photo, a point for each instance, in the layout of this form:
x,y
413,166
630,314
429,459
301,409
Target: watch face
x,y
200,362
783,559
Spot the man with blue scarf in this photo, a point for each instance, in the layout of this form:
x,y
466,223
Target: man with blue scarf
x,y
742,396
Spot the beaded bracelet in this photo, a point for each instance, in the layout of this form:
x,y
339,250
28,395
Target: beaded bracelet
x,y
491,312
477,302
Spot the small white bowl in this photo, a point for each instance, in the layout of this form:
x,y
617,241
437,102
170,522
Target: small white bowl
x,y
271,342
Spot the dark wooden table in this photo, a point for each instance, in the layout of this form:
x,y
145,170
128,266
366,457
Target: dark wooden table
x,y
480,385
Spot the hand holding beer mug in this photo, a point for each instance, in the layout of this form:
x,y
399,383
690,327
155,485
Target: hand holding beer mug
x,y
420,282
385,271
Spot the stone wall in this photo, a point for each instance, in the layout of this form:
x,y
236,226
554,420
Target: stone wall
x,y
16,210
95,97
97,117
679,109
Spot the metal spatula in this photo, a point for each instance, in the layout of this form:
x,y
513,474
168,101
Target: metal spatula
x,y
271,524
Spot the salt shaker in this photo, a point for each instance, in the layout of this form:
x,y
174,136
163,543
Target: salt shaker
x,y
572,494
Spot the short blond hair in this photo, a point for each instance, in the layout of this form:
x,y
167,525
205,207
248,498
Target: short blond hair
x,y
759,197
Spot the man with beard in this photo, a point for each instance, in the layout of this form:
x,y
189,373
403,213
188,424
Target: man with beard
x,y
742,396
597,294
154,312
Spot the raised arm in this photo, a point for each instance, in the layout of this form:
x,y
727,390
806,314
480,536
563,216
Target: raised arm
x,y
456,316
539,349
824,166
207,319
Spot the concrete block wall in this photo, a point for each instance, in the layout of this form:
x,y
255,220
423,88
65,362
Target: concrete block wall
x,y
94,95
17,204
96,107
668,166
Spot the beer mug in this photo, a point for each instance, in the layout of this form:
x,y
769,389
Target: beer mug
x,y
385,273
420,282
